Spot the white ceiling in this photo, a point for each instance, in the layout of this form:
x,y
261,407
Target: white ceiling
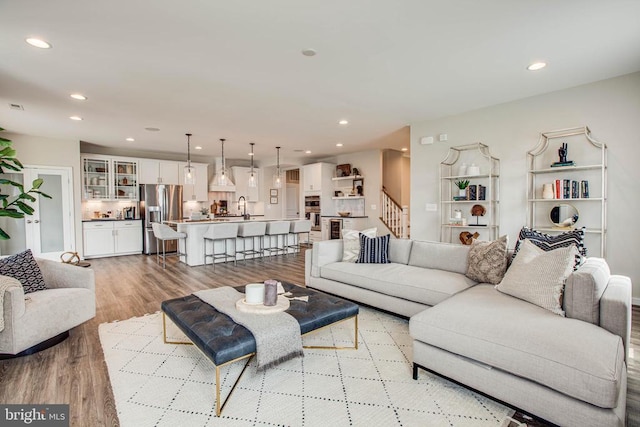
x,y
234,69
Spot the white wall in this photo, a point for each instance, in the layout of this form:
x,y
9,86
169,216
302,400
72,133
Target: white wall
x,y
611,109
39,151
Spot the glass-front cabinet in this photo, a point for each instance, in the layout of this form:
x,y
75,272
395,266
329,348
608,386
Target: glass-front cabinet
x,y
125,179
106,178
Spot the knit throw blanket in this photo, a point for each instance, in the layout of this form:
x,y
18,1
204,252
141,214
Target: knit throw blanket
x,y
6,282
277,335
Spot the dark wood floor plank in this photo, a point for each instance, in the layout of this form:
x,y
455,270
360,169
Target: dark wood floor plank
x,y
75,372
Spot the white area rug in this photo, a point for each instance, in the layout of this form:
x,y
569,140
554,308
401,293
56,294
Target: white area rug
x,y
157,384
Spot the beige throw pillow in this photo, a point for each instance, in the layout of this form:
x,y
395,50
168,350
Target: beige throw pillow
x,y
538,276
351,243
488,260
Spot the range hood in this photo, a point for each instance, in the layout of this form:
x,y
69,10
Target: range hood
x,y
213,184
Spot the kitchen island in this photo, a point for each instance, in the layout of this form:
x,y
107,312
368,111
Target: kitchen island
x,y
193,245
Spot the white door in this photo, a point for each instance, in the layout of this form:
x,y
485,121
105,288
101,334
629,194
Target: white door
x,y
292,200
49,231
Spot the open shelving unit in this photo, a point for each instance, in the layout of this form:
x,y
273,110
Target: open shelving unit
x,y
488,177
590,157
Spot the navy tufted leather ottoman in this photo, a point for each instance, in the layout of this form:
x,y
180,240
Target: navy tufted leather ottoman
x,y
223,341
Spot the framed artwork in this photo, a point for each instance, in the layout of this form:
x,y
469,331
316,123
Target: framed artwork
x,y
274,200
358,186
273,193
343,170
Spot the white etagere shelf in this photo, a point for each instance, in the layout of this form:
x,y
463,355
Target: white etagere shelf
x,y
593,216
488,176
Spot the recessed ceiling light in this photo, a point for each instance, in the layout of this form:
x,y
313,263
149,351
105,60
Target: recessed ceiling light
x,y
405,149
38,43
339,144
76,118
130,139
537,66
343,122
78,96
198,147
309,52
308,152
152,129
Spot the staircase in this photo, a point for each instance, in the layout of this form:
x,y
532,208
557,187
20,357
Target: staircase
x,y
394,216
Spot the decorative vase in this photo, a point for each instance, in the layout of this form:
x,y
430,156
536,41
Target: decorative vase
x,y
473,170
547,191
270,292
462,170
462,192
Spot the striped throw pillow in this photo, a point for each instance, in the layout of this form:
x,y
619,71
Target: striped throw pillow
x,y
538,276
549,242
374,250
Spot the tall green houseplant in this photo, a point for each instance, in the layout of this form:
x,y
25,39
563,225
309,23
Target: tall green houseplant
x,y
16,206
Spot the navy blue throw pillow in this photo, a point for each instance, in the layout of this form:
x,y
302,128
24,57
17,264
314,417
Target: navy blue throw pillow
x,y
374,250
24,268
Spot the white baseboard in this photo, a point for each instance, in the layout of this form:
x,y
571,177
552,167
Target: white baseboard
x,y
635,301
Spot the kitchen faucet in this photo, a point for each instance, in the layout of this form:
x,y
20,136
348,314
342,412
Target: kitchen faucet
x,y
244,207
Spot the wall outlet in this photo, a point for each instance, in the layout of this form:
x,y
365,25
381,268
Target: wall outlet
x,y
442,137
373,207
431,207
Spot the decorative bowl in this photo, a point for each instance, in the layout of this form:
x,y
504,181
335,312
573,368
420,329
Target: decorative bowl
x,y
344,213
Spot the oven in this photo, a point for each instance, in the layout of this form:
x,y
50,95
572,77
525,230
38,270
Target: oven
x,y
312,211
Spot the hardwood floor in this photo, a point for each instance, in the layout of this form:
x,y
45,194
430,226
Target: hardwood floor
x,y
74,371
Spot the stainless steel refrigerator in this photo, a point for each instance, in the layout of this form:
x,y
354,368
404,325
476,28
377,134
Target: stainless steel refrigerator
x,y
159,203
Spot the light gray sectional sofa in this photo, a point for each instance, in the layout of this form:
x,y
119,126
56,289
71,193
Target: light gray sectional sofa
x,y
570,370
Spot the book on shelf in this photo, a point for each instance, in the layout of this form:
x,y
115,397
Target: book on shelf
x,y
472,192
560,164
482,192
459,198
575,193
558,188
584,189
566,189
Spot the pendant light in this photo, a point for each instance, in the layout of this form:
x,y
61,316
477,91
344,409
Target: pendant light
x,y
277,177
223,178
189,171
253,182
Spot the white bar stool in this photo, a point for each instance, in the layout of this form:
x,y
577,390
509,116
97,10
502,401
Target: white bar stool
x,y
277,229
163,232
251,230
217,232
297,228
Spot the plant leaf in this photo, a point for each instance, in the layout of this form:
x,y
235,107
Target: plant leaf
x,y
3,235
27,196
11,213
24,207
37,183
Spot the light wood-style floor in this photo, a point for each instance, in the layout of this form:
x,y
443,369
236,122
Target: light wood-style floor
x,y
74,371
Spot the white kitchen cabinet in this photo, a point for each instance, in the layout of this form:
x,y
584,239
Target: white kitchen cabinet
x,y
127,237
200,190
317,175
154,171
241,176
325,228
109,238
98,238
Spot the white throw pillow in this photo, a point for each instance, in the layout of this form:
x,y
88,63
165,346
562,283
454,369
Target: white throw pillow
x,y
351,242
538,276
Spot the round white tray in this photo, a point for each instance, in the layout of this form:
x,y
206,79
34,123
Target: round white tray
x,y
281,305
